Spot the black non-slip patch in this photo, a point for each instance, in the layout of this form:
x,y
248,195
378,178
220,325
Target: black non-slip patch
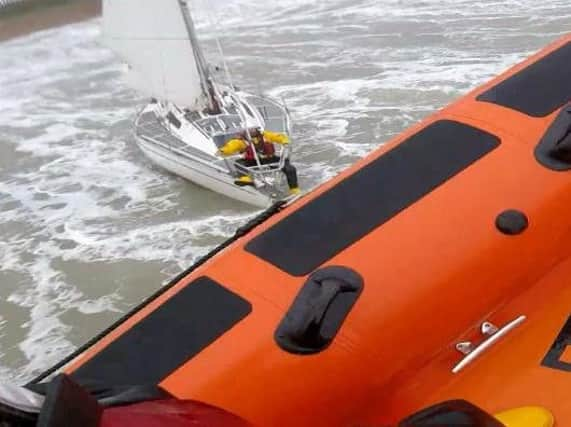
x,y
168,337
318,231
539,89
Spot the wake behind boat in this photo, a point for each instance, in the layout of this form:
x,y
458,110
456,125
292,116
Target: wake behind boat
x,y
192,117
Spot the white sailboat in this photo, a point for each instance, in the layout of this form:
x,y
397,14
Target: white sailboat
x,y
191,115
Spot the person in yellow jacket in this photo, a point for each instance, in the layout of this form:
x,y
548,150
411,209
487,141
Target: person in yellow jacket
x,y
263,142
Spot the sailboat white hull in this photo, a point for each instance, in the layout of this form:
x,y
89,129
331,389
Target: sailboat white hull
x,y
187,144
202,175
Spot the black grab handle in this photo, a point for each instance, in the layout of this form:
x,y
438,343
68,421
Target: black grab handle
x,y
319,310
554,149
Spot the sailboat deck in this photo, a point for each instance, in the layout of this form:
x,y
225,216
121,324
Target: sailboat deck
x,y
148,127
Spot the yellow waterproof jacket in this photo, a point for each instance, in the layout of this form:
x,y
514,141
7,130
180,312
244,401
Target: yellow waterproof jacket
x,y
238,145
275,137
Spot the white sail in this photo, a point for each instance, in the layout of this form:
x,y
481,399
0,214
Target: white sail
x,y
152,37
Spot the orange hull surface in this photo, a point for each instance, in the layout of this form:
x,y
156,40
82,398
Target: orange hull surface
x,y
456,222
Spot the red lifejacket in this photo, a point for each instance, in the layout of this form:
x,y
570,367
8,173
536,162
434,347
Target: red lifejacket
x,y
264,149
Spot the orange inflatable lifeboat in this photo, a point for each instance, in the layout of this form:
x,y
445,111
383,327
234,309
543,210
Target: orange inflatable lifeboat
x,y
426,285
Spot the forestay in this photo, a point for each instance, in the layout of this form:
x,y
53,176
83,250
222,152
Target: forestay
x,y
152,37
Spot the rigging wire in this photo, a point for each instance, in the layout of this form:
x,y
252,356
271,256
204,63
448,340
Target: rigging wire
x,y
214,23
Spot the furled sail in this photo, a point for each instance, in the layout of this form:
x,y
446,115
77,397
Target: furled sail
x,y
156,40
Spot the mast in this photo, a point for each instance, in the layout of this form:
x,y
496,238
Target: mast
x,y
205,80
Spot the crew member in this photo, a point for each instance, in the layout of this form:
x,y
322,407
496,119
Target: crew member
x,y
263,142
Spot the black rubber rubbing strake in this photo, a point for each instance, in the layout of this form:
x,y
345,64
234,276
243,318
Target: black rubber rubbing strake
x,y
318,231
537,90
168,337
512,222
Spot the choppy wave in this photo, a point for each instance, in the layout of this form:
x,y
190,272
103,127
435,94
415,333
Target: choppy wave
x,y
88,227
